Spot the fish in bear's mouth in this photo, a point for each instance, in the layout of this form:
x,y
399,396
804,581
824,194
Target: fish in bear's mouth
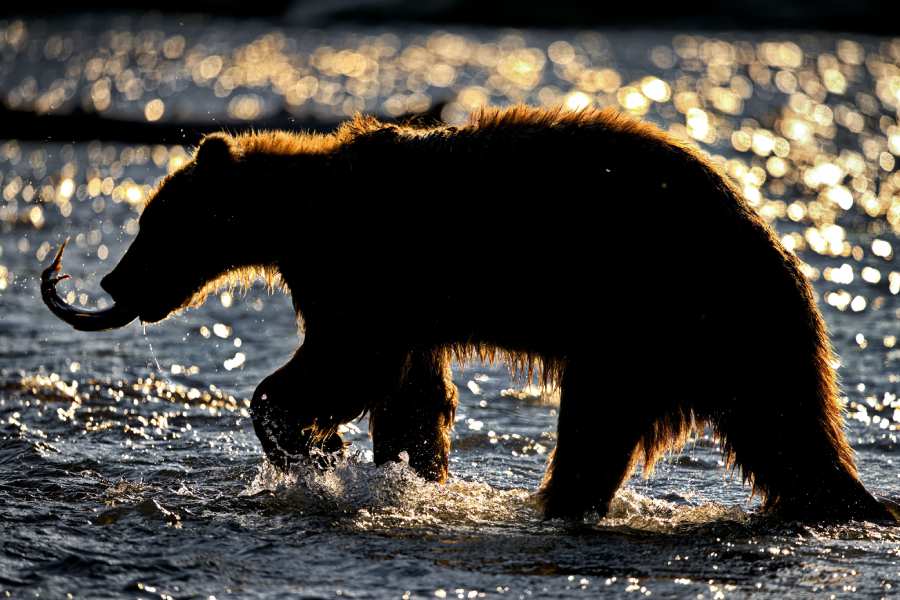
x,y
81,319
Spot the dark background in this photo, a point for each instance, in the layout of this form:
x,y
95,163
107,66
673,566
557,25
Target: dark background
x,y
875,16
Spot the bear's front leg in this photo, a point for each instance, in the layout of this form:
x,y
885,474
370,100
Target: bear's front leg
x,y
283,417
418,417
329,381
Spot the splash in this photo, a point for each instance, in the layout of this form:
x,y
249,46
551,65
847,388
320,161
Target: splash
x,y
392,495
632,510
369,497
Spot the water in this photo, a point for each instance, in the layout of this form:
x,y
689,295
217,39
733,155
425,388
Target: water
x,y
129,464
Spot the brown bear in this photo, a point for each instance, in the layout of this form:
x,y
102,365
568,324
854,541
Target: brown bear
x,y
622,266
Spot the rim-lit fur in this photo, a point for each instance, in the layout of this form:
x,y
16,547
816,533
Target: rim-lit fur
x,y
370,277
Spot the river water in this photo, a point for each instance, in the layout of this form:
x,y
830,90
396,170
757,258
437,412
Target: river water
x,y
128,463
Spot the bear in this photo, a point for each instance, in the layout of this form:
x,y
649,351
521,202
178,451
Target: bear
x,y
624,268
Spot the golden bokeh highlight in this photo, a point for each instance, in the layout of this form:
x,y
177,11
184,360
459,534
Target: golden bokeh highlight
x,y
153,111
810,136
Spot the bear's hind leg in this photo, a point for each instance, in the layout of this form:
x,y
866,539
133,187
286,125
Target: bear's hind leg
x,y
793,450
595,448
418,416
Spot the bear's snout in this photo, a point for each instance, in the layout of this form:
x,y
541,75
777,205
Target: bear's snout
x,y
112,285
107,284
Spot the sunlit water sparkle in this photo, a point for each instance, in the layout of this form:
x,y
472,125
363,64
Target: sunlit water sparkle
x,y
129,464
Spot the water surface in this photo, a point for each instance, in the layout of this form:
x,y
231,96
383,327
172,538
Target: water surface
x,y
129,463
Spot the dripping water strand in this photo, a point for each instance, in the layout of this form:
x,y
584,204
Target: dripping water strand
x,y
153,353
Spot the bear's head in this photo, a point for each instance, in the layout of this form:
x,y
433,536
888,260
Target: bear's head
x,y
185,230
192,238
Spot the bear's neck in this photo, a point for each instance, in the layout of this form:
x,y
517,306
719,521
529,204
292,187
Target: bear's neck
x,y
278,196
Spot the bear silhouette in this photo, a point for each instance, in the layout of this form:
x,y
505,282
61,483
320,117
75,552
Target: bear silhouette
x,y
586,249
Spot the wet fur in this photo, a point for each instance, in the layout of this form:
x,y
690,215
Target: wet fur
x,y
384,317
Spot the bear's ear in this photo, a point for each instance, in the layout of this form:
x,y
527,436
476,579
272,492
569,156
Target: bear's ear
x,y
214,149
